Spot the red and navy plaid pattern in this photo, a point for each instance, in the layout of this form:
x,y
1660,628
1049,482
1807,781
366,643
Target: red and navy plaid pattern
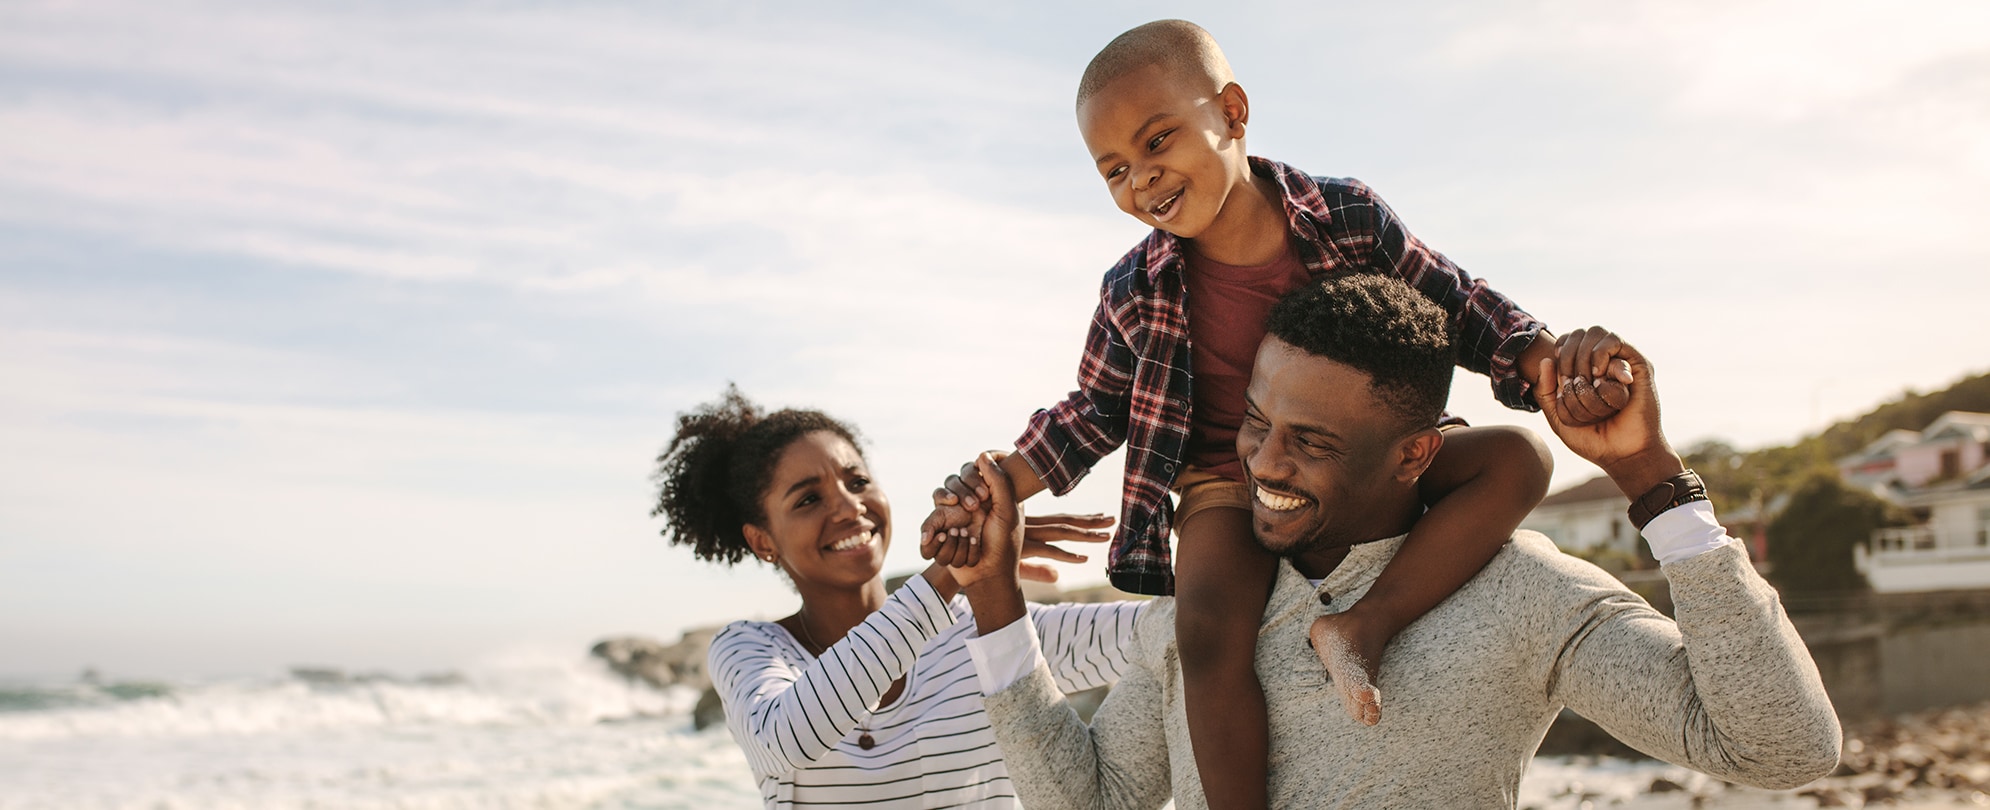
x,y
1133,382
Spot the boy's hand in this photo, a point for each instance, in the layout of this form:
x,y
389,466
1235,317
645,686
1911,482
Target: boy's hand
x,y
966,489
1595,377
1629,446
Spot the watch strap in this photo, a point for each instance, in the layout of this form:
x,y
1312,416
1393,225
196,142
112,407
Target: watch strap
x,y
1678,490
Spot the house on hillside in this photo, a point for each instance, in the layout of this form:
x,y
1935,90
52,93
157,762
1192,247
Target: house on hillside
x,y
1941,474
1587,516
1593,515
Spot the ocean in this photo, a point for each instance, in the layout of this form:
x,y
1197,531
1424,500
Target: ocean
x,y
523,734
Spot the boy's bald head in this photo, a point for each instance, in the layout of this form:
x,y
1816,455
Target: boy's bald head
x,y
1179,46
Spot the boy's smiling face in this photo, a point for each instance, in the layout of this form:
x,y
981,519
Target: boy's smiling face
x,y
1170,148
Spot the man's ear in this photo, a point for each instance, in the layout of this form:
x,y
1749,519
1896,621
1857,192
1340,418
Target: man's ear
x,y
1236,109
761,542
1415,452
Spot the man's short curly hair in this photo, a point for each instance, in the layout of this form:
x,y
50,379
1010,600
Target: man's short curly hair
x,y
711,476
1376,324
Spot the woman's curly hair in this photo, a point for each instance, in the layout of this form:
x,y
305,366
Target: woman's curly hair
x,y
711,476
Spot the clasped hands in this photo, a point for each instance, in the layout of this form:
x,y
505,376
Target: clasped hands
x,y
1588,374
985,535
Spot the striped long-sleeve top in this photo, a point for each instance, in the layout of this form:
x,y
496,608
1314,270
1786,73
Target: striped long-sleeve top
x,y
797,716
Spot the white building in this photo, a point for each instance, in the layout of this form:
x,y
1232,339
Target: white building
x,y
1942,473
1586,516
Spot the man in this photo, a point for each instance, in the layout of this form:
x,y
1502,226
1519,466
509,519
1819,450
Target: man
x,y
1333,442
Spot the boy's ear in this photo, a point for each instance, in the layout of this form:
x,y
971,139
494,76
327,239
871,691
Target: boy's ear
x,y
1416,451
1236,109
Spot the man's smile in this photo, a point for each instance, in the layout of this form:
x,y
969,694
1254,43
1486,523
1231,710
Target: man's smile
x,y
1277,502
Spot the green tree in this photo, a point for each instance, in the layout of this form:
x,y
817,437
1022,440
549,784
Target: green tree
x,y
1810,543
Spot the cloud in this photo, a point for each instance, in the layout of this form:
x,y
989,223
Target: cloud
x,y
388,305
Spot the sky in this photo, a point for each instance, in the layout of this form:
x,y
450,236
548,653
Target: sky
x,y
347,333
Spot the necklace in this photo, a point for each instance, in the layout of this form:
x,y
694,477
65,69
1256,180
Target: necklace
x,y
864,740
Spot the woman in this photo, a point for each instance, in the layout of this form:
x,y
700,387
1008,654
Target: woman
x,y
858,698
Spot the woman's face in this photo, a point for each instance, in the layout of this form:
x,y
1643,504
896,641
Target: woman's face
x,y
827,522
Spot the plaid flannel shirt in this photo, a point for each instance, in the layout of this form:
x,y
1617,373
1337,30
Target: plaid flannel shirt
x,y
1133,381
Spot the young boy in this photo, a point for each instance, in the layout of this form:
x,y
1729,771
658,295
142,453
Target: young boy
x,y
1164,121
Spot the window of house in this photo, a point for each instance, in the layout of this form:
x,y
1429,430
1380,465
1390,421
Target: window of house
x,y
1951,463
1983,526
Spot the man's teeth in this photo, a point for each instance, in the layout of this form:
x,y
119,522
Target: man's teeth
x,y
854,541
1277,502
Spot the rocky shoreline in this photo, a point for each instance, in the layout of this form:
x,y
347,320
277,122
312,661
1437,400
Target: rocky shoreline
x,y
1923,757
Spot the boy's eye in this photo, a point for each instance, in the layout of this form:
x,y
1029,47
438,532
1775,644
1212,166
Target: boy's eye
x,y
1156,142
805,500
859,484
1116,171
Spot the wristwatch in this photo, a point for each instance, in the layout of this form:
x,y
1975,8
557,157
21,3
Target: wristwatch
x,y
1678,490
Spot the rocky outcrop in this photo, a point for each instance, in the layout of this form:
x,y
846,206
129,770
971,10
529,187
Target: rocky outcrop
x,y
640,658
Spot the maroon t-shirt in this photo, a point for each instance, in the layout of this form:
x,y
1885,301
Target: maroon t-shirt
x,y
1227,306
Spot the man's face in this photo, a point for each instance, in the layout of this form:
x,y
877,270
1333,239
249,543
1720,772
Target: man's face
x,y
1326,460
1165,146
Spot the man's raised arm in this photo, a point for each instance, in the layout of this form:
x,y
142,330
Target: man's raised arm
x,y
1730,690
1054,759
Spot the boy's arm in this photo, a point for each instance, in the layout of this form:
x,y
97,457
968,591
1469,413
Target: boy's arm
x,y
1492,331
1060,445
1495,336
947,534
1063,441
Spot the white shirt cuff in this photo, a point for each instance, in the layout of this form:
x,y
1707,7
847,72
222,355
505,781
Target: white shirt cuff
x,y
1005,656
1684,532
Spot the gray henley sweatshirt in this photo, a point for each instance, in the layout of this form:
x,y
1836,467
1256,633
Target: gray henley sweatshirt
x,y
1468,691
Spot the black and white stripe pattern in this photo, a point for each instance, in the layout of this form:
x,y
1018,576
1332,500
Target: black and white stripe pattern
x,y
796,716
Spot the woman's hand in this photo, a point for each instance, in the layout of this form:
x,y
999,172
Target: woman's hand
x,y
1040,531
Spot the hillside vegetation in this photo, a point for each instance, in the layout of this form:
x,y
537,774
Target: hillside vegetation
x,y
1734,477
1810,543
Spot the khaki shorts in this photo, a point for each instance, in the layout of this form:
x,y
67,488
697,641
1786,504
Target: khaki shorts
x,y
1197,489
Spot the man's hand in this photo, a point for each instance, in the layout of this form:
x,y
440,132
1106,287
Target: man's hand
x,y
991,583
1594,376
1630,446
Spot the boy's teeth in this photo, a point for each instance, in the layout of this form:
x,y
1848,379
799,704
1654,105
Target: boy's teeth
x,y
1277,502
